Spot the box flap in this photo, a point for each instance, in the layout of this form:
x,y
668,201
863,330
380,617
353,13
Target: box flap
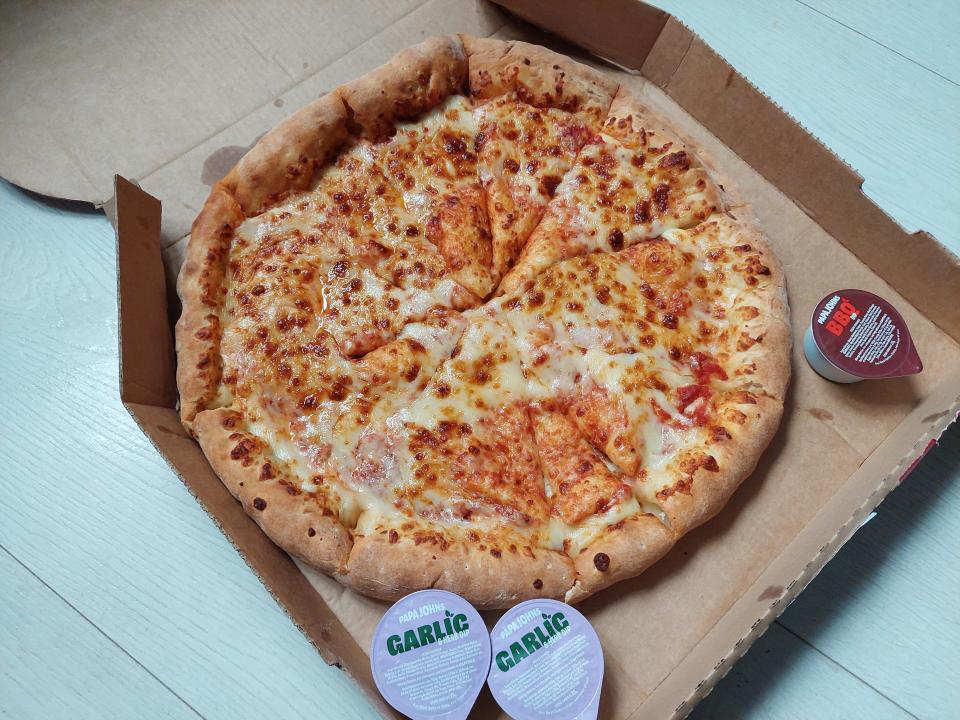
x,y
102,88
623,31
146,347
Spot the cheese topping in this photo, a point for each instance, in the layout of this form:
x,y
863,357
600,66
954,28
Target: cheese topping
x,y
356,344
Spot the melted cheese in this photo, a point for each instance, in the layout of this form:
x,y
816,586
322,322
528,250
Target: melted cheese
x,y
388,388
573,538
523,152
354,344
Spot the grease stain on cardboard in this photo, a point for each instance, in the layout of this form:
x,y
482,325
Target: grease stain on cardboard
x,y
773,592
930,419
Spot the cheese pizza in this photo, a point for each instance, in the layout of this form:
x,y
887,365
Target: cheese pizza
x,y
480,321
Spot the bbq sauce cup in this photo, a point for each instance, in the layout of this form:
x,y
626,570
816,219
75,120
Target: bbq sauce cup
x,y
855,335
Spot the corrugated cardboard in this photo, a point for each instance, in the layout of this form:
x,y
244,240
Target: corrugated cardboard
x,y
840,448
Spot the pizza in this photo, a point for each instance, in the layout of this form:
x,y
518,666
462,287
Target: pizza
x,y
479,320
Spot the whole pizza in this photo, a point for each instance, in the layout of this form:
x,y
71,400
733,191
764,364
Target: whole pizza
x,y
479,321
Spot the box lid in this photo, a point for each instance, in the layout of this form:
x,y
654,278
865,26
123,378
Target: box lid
x,y
106,88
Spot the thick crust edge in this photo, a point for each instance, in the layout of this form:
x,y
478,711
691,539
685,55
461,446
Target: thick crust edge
x,y
538,76
201,291
388,563
623,550
304,529
772,328
412,82
736,459
286,158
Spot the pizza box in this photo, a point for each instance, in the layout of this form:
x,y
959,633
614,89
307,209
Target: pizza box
x,y
172,96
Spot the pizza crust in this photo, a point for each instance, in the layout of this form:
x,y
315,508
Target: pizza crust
x,y
307,530
623,550
285,159
709,491
200,286
411,83
538,76
388,561
772,326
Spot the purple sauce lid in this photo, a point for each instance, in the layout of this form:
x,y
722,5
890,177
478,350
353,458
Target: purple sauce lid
x,y
856,335
430,655
547,663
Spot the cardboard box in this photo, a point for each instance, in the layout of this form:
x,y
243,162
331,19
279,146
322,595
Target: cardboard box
x,y
839,451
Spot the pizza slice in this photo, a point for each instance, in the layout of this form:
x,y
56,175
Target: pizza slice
x,y
431,169
300,515
696,460
628,184
366,212
364,312
459,435
737,303
353,212
580,482
688,354
585,329
285,288
471,429
606,531
523,154
460,478
535,110
670,424
291,383
612,301
605,404
388,380
291,327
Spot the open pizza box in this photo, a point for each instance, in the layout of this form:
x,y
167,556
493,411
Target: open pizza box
x,y
186,95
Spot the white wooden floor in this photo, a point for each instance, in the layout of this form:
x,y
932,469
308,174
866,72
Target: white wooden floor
x,y
119,598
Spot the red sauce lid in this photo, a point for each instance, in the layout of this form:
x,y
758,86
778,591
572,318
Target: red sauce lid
x,y
863,335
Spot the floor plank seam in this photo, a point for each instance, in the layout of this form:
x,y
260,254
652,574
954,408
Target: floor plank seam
x,y
877,42
101,631
845,669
